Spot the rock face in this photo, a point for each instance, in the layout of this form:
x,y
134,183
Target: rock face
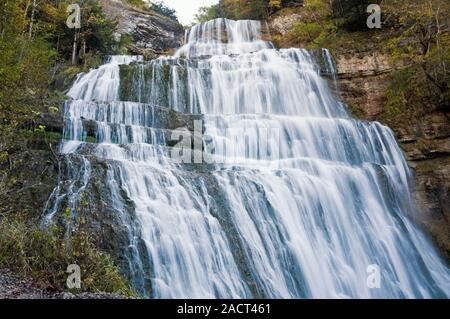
x,y
152,33
363,80
31,176
284,23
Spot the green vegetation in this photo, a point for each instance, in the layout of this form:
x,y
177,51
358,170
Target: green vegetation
x,y
162,9
39,56
36,46
138,4
423,46
331,24
209,13
314,27
350,14
244,9
157,7
45,255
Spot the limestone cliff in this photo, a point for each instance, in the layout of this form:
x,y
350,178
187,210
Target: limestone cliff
x,y
152,33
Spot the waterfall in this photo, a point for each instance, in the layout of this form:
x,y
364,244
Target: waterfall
x,y
101,84
297,200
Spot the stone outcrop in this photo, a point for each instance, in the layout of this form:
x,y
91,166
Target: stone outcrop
x,y
153,34
284,23
363,79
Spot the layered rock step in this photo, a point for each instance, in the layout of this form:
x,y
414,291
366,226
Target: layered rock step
x,y
119,122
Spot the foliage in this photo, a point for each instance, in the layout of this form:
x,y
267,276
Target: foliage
x,y
96,35
161,8
139,4
351,14
424,43
35,47
414,33
275,5
209,13
316,24
35,43
243,9
44,255
397,102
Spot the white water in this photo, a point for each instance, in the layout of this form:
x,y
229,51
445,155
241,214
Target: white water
x,y
101,84
333,201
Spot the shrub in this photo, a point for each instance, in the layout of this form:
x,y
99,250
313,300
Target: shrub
x,y
45,254
162,9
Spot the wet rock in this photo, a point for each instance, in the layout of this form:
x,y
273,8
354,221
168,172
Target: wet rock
x,y
432,195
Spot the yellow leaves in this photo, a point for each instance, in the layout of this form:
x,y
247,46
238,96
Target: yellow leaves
x,y
275,4
52,13
4,155
53,110
40,129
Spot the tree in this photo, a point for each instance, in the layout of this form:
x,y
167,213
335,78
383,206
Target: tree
x,y
209,13
27,62
164,10
33,12
244,9
425,43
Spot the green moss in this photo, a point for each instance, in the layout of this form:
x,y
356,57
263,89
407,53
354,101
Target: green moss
x,y
91,139
357,111
125,76
52,137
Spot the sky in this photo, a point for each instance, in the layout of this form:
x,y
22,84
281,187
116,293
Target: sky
x,y
187,9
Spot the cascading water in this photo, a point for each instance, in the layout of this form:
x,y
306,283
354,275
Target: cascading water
x,y
300,200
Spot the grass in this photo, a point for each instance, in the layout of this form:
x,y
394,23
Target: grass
x,y
45,254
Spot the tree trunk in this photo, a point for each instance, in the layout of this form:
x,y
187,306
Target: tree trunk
x,y
84,47
33,12
74,50
83,51
26,8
